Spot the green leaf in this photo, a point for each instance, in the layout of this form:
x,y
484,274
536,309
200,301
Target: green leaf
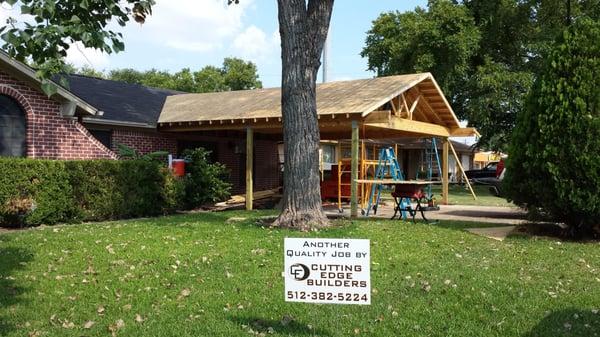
x,y
49,88
118,46
25,9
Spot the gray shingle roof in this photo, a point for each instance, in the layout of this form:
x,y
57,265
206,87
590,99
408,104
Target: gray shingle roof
x,y
121,101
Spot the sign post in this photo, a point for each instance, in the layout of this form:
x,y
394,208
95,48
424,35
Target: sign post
x,y
334,271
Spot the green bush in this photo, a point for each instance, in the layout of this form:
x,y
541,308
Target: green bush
x,y
36,192
205,182
554,162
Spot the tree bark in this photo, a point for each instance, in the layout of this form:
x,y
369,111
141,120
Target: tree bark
x,y
303,28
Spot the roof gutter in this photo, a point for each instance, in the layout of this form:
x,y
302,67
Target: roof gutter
x,y
111,122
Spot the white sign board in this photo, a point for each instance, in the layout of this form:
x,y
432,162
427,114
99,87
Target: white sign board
x,y
336,271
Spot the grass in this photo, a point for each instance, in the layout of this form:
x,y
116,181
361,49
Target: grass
x,y
196,275
460,195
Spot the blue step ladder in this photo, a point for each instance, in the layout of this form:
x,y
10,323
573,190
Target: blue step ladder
x,y
431,157
387,167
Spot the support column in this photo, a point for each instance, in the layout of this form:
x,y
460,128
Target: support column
x,y
445,155
354,172
249,166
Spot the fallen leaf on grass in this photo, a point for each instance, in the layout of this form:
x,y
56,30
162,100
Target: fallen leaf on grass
x,y
89,324
139,318
184,293
100,310
68,325
119,324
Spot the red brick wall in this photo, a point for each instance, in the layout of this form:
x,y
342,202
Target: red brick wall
x,y
49,135
231,153
144,142
266,166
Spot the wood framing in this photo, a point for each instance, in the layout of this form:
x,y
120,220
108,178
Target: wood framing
x,y
354,173
462,170
249,166
445,180
406,125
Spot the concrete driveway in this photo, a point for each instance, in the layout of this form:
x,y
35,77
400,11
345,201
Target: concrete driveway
x,y
486,214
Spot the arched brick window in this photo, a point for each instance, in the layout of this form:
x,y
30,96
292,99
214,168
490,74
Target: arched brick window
x,y
13,128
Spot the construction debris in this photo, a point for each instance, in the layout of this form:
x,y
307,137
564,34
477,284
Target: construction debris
x,y
239,200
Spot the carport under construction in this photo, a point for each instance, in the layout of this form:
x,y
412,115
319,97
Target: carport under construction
x,y
379,108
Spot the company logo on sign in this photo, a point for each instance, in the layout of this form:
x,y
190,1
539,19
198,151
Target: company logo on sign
x,y
327,271
299,271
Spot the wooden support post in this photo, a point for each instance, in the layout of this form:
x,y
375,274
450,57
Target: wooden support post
x,y
445,150
462,170
354,173
249,164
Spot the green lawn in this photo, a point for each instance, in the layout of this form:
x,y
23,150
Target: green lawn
x,y
460,195
195,275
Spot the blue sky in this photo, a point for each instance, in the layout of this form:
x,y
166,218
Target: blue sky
x,y
195,33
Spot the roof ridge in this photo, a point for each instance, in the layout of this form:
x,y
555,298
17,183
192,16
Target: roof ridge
x,y
129,83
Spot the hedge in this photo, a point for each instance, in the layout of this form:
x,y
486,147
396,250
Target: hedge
x,y
34,191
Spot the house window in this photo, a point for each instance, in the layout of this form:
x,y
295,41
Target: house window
x,y
103,136
328,155
13,128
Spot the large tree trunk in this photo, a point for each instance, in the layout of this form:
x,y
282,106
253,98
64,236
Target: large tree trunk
x,y
303,30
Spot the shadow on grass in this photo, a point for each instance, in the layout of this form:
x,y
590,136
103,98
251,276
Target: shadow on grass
x,y
288,328
13,259
201,217
463,225
487,214
567,322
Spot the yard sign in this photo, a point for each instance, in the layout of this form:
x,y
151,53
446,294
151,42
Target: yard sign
x,y
335,271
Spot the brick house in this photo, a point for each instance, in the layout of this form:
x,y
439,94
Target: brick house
x,y
93,116
243,129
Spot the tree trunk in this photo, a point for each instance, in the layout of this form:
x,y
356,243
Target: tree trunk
x,y
303,29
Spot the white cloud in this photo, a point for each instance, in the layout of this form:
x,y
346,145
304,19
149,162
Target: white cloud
x,y
192,25
81,56
253,43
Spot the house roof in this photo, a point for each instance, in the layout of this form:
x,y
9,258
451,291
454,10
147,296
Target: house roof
x,y
333,98
121,102
27,74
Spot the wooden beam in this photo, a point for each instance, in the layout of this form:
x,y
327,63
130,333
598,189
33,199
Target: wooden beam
x,y
401,124
354,172
413,107
464,132
249,164
394,109
445,181
405,105
462,171
378,116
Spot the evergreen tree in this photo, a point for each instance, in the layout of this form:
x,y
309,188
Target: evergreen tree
x,y
554,163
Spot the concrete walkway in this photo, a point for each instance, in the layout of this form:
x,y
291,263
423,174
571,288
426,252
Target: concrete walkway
x,y
484,214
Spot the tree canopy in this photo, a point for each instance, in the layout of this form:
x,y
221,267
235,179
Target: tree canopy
x,y
56,25
235,74
553,165
484,53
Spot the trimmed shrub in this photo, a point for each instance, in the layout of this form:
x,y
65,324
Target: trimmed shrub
x,y
36,191
554,162
205,182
